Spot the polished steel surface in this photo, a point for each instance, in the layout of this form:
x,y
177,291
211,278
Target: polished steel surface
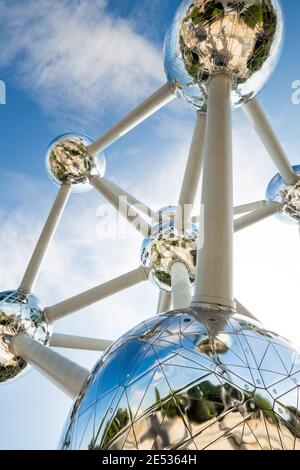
x,y
166,245
241,37
19,313
287,195
194,379
68,161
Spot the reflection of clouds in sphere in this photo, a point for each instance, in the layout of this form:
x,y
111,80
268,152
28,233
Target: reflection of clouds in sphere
x,y
242,38
166,245
287,195
68,161
19,313
191,380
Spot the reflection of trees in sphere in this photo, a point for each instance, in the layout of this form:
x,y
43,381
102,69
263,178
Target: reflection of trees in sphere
x,y
240,37
165,246
191,380
19,313
287,195
68,161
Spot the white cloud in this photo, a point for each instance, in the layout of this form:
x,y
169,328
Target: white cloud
x,y
75,58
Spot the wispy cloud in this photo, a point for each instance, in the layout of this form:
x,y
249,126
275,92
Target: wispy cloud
x,y
75,57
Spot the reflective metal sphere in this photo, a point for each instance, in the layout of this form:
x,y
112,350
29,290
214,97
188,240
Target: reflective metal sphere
x,y
19,313
68,161
242,37
167,213
166,245
287,196
191,380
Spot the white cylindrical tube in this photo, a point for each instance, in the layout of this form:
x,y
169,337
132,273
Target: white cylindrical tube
x,y
256,216
214,280
261,124
252,206
155,102
78,342
134,202
85,299
105,188
36,261
67,375
164,302
181,286
192,174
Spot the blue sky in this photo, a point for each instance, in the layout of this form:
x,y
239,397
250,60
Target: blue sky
x,y
79,66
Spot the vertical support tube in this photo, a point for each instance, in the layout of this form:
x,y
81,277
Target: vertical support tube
x,y
164,302
181,286
67,375
35,264
192,174
214,280
260,122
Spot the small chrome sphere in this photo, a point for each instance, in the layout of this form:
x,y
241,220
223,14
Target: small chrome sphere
x,y
19,313
166,245
191,380
241,37
287,195
68,161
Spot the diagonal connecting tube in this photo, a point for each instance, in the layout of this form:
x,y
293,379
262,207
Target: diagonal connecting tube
x,y
78,342
72,305
155,102
192,174
261,124
134,202
257,216
36,261
67,375
106,189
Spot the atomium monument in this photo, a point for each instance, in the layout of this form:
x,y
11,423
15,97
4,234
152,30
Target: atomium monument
x,y
203,373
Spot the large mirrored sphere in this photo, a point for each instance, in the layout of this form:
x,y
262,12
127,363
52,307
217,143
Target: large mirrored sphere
x,y
241,37
287,195
68,161
166,245
19,313
191,380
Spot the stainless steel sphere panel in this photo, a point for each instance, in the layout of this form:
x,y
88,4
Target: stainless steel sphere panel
x,y
191,380
68,161
287,195
164,247
19,313
242,37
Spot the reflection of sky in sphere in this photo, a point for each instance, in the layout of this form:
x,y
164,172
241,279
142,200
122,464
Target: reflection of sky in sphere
x,y
191,380
68,161
288,196
243,38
